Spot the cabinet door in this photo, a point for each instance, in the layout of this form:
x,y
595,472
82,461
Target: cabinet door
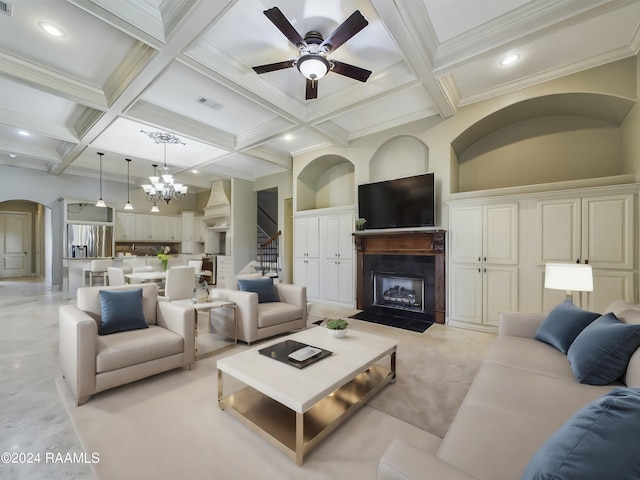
x,y
306,273
125,226
188,221
558,231
172,229
500,234
608,231
336,234
609,285
500,292
465,283
156,228
307,240
465,235
346,292
143,227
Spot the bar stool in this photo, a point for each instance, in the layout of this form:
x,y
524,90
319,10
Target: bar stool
x,y
97,269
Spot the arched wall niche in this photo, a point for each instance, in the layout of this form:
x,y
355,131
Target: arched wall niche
x,y
327,181
402,156
553,138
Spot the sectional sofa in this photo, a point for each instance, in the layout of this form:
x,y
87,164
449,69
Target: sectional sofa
x,y
531,411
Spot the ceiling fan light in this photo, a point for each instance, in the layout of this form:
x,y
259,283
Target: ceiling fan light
x,y
313,67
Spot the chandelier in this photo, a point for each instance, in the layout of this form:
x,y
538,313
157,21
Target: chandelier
x,y
162,186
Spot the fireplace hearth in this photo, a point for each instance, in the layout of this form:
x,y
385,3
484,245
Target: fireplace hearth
x,y
402,274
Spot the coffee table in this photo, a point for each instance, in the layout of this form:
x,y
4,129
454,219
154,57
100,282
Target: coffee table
x,y
295,409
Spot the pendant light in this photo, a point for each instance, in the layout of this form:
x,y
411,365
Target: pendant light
x,y
128,206
100,203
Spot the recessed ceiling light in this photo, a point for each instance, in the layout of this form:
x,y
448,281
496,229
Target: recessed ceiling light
x,y
52,29
510,59
23,133
194,171
288,137
12,155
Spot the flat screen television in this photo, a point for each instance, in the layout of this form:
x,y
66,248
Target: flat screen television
x,y
400,203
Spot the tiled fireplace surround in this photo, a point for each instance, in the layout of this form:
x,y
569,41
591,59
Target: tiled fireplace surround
x,y
410,253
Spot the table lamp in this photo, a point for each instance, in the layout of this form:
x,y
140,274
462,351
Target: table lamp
x,y
570,277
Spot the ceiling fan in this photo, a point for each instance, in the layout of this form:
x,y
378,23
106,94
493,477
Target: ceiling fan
x,y
313,62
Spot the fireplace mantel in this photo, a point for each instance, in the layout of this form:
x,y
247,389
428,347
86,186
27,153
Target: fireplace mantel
x,y
415,242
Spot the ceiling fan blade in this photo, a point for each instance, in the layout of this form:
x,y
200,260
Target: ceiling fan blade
x,y
350,71
346,30
272,67
311,90
280,21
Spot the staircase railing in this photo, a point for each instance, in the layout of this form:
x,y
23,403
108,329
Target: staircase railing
x,y
268,254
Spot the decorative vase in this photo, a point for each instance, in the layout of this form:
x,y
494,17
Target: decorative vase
x,y
164,264
337,333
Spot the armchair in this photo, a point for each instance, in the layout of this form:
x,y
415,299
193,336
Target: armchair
x,y
92,363
261,320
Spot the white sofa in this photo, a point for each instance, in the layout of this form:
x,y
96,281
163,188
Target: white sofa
x,y
524,391
92,363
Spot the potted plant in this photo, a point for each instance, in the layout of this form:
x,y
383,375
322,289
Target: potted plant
x,y
337,327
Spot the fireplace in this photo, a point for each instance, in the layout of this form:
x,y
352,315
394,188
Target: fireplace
x,y
403,271
398,292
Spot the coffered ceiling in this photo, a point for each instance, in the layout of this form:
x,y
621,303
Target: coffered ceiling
x,y
184,67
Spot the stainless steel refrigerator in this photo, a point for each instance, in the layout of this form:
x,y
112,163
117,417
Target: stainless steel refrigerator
x,y
89,241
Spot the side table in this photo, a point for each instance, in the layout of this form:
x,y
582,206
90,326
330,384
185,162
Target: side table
x,y
211,305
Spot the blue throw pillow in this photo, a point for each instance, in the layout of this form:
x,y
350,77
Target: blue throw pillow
x,y
262,286
600,353
121,310
563,324
599,442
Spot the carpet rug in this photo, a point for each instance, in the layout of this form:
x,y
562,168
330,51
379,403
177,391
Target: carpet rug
x,y
169,426
394,318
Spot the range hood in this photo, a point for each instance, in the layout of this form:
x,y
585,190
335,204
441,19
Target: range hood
x,y
217,213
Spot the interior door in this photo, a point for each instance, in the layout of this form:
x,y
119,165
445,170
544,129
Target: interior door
x,y
15,244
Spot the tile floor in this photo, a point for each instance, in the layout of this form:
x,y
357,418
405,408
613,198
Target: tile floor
x,y
32,417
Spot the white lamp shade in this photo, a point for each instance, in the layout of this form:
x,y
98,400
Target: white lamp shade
x,y
569,277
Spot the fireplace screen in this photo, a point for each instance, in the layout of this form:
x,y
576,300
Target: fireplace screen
x,y
404,292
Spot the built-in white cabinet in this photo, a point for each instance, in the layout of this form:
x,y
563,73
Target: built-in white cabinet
x,y
498,249
193,233
306,240
324,255
483,273
337,251
594,229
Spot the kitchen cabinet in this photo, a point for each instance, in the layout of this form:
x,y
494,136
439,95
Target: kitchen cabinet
x,y
172,229
224,272
193,233
125,227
